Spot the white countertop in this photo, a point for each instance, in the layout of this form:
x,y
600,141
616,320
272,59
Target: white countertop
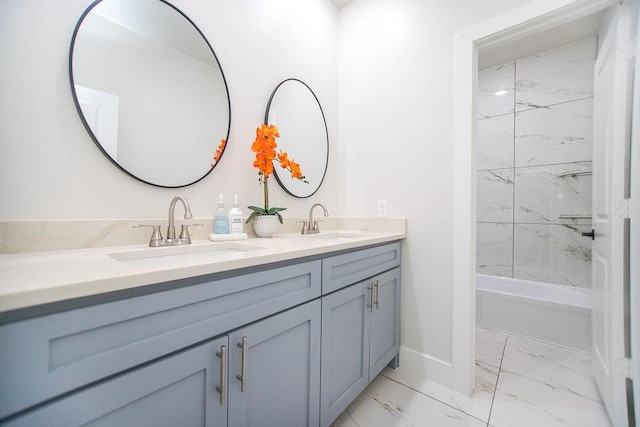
x,y
31,279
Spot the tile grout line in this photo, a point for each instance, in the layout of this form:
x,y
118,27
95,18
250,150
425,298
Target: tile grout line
x,y
495,390
426,395
533,108
542,165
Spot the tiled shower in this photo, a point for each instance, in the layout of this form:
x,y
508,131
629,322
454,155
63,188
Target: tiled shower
x,y
534,157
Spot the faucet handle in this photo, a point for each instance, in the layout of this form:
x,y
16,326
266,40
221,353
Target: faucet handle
x,y
315,224
156,237
185,238
304,226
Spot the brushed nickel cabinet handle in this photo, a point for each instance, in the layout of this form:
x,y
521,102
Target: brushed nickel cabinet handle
x,y
370,305
243,372
375,285
222,388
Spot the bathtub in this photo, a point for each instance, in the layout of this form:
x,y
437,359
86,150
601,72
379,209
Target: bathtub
x,y
555,314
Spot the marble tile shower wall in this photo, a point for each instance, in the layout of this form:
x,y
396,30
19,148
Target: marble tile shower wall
x,y
534,130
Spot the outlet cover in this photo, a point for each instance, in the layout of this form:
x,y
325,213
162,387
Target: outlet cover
x,y
383,209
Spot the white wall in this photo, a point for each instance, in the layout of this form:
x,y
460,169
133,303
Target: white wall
x,y
50,168
396,126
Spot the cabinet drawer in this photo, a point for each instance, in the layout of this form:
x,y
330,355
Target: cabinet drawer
x,y
49,355
343,270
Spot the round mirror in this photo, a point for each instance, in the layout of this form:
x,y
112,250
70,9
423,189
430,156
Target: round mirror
x,y
296,112
150,90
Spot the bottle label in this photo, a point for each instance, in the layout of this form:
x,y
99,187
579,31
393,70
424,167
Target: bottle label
x,y
236,224
221,225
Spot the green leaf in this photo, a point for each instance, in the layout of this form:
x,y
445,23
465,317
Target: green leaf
x,y
274,211
256,209
279,217
253,214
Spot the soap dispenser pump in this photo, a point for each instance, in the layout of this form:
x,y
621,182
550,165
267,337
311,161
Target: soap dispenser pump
x,y
220,219
235,217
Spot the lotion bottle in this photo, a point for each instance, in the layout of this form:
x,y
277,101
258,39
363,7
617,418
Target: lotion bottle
x,y
220,219
235,217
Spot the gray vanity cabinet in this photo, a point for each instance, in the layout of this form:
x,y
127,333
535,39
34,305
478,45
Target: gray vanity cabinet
x,y
238,350
360,336
281,370
179,390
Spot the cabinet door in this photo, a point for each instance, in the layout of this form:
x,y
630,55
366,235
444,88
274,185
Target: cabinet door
x,y
280,372
176,391
385,321
345,349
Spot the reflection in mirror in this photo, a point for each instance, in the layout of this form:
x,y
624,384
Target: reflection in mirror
x,y
296,111
149,90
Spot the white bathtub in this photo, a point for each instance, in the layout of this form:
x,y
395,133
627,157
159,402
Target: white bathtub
x,y
559,315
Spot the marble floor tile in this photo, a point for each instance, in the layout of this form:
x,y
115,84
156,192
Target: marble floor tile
x,y
387,403
489,347
537,386
524,402
478,405
563,370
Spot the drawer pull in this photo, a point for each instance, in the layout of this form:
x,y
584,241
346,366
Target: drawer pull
x,y
222,354
370,305
243,372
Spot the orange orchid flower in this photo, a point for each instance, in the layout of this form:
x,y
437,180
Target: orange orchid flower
x,y
218,153
264,146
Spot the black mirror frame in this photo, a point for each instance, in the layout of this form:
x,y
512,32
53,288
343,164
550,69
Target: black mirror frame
x,y
326,164
88,128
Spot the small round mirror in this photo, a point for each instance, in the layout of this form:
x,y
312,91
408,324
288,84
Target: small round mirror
x,y
296,112
149,90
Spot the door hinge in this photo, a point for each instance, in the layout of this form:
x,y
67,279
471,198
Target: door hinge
x,y
623,368
622,208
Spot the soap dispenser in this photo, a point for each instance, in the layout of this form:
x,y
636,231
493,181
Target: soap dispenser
x,y
220,219
235,217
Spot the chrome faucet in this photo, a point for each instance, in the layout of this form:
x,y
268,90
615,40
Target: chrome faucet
x,y
171,240
171,229
311,227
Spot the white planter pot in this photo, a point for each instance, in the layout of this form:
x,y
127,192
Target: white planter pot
x,y
265,225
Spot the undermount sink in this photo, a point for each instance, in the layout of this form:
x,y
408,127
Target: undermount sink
x,y
205,252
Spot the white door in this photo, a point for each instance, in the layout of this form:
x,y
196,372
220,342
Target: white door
x,y
612,129
635,224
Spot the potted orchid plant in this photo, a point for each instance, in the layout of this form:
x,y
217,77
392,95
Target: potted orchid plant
x,y
264,218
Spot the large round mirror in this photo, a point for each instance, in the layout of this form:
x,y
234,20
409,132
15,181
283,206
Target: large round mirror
x,y
296,112
149,90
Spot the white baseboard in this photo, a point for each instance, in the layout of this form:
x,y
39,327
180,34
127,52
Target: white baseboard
x,y
424,365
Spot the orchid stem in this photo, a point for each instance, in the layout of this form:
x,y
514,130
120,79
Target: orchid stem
x,y
266,194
